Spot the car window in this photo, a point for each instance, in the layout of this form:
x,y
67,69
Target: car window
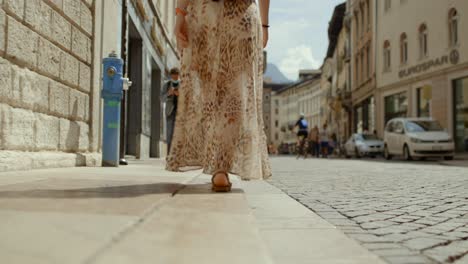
x,y
423,126
398,127
391,127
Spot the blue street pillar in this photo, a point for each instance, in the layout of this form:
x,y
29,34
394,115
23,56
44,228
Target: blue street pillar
x,y
112,92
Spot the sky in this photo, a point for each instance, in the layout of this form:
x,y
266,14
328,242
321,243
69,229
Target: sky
x,y
298,34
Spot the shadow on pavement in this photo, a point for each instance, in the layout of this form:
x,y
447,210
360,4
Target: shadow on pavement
x,y
124,191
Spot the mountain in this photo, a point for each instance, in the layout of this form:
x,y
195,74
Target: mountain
x,y
274,75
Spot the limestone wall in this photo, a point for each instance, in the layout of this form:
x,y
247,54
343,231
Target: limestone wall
x,y
46,61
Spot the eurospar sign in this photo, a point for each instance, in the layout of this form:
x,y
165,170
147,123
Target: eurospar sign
x,y
452,58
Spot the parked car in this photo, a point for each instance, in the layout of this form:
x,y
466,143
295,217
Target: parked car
x,y
417,137
362,145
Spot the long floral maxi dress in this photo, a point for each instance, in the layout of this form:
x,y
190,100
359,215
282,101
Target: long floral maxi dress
x,y
219,124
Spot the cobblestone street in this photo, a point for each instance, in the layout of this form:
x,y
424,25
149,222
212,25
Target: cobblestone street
x,y
403,212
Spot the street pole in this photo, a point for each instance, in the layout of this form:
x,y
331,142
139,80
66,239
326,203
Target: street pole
x,y
124,56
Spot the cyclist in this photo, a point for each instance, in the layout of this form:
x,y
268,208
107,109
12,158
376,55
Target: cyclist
x,y
302,135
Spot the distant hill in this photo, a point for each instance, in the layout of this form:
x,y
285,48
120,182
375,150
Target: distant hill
x,y
274,75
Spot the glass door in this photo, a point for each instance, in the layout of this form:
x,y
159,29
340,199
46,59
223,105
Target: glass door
x,y
461,114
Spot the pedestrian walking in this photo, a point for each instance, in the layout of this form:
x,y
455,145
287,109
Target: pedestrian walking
x,y
219,125
314,147
170,95
332,144
324,139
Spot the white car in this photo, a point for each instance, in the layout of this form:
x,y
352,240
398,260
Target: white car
x,y
361,145
417,137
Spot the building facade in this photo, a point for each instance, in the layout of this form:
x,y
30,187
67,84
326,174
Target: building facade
x,y
342,110
335,84
50,78
289,102
149,49
340,102
422,65
326,101
271,111
47,62
363,19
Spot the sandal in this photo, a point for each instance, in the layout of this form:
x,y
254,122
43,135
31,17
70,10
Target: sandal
x,y
221,188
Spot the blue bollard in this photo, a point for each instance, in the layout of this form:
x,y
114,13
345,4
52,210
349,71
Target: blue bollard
x,y
112,93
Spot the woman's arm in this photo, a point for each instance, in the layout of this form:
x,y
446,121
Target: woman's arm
x,y
182,4
264,13
180,27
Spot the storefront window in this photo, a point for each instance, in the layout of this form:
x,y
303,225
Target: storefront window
x,y
359,120
364,115
396,106
424,99
371,127
461,114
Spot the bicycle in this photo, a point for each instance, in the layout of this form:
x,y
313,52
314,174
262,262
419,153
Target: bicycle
x,y
302,147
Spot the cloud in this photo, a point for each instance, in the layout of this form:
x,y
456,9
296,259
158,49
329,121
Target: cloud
x,y
288,34
297,58
298,34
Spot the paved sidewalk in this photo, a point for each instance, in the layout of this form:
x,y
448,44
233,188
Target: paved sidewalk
x,y
144,214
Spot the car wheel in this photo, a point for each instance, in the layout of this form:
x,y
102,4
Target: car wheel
x,y
387,155
448,158
407,153
358,155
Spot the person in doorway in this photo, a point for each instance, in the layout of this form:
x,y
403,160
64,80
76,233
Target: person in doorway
x,y
324,139
314,147
170,94
219,125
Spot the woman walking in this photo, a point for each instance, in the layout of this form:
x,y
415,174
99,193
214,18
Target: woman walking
x,y
219,124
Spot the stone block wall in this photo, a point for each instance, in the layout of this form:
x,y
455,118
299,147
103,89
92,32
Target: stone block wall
x,y
46,60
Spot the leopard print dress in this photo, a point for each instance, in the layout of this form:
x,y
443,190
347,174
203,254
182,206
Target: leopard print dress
x,y
219,124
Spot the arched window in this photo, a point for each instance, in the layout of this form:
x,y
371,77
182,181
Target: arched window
x,y
453,27
403,48
387,5
361,12
358,33
356,67
387,56
368,15
363,75
368,71
423,42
